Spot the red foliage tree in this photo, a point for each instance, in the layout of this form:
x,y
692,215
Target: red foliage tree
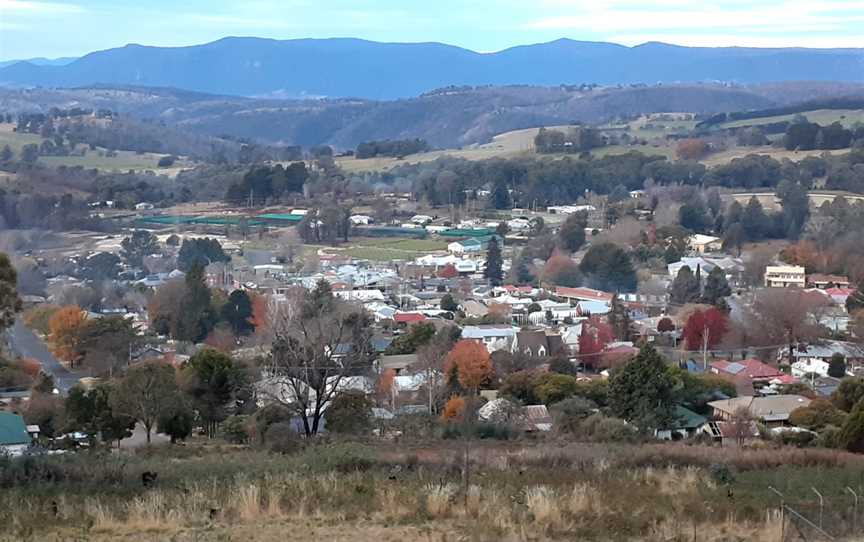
x,y
448,272
595,335
691,149
713,321
665,324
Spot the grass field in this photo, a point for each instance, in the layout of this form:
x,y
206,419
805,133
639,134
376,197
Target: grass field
x,y
122,161
846,117
392,249
413,490
724,157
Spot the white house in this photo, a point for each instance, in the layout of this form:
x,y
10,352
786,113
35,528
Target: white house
x,y
705,243
806,366
466,246
785,276
493,336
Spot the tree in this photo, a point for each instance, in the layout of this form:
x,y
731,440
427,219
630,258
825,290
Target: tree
x,y
6,155
551,388
852,433
848,393
104,344
685,288
691,149
619,320
755,222
561,270
448,303
145,392
200,252
694,216
837,365
350,412
494,262
176,419
90,411
608,267
705,329
817,415
788,315
100,266
141,243
213,381
408,343
520,273
642,391
519,386
318,344
238,312
795,208
196,319
716,287
593,338
10,303
63,335
500,197
570,413
665,325
571,234
470,363
166,307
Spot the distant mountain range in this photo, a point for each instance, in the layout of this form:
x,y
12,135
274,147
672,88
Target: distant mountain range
x,y
41,61
347,67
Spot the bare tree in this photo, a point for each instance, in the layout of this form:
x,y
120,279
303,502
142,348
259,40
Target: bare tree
x,y
319,343
787,316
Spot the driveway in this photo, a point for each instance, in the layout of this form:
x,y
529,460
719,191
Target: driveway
x,y
27,344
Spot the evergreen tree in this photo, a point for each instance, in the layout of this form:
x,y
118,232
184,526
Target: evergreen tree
x,y
519,271
685,287
619,320
10,303
494,262
571,234
141,243
196,320
716,287
501,196
755,222
642,391
795,207
608,267
837,365
238,312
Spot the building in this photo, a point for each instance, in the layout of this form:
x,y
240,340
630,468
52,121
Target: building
x,y
705,243
14,438
575,295
538,343
493,336
772,410
785,276
824,282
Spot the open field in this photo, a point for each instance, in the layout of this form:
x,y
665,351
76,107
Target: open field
x,y
517,490
846,117
724,157
98,159
386,249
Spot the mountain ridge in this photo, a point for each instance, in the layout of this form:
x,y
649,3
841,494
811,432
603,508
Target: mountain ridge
x,y
354,67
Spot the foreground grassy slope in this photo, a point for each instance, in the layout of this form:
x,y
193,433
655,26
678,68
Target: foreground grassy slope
x,y
393,491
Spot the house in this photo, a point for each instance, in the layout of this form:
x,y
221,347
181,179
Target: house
x,y
839,295
823,350
397,362
823,282
772,410
575,295
14,438
685,425
810,366
529,418
538,343
705,243
466,246
746,374
730,433
494,336
408,317
569,209
785,276
362,296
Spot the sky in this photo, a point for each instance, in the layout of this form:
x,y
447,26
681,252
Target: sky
x,y
55,28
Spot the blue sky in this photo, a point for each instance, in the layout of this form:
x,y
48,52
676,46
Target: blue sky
x,y
52,28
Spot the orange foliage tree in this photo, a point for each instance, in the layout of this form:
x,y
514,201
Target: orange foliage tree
x,y
63,332
260,314
386,382
454,410
691,149
471,363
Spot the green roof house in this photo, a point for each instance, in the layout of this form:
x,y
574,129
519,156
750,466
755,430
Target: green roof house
x,y
14,439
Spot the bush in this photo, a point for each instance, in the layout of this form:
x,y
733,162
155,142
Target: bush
x,y
235,429
342,457
570,413
552,387
721,474
602,428
481,430
281,438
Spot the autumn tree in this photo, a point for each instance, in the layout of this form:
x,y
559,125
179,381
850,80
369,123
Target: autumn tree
x,y
691,149
10,303
386,387
63,335
144,392
469,362
593,338
561,270
319,342
705,329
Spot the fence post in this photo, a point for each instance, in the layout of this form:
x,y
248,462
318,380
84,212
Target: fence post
x,y
821,505
854,509
782,513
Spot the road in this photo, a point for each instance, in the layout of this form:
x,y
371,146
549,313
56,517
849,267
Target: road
x,y
27,344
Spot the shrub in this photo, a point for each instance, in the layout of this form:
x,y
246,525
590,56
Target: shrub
x,y
551,387
235,429
281,438
342,457
349,412
481,430
570,413
602,428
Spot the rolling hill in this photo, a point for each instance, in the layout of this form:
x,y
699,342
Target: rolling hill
x,y
347,67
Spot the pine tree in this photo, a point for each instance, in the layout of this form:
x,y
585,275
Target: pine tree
x,y
494,263
685,287
642,391
196,320
619,320
501,196
716,287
